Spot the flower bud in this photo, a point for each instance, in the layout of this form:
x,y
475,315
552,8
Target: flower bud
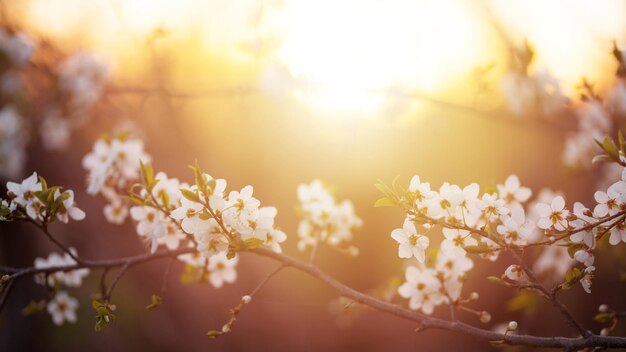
x,y
246,299
485,317
512,325
605,332
353,251
226,328
5,278
603,308
473,296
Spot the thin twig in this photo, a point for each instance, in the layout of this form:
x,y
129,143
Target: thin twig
x,y
551,296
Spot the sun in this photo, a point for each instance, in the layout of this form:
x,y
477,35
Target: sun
x,y
350,53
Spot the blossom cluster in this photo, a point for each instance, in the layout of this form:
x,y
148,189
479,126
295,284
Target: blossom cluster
x,y
174,214
81,78
51,108
153,224
491,223
222,223
113,166
527,92
324,219
62,307
34,199
17,49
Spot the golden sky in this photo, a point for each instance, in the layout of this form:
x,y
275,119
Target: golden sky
x,y
343,57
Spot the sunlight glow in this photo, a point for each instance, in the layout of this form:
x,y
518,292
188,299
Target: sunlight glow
x,y
346,57
350,51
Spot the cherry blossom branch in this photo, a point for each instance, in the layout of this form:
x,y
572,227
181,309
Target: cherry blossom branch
x,y
590,340
589,226
430,322
549,295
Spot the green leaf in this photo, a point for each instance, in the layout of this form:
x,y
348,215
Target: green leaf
x,y
96,303
603,158
211,186
165,198
213,334
384,202
385,189
252,243
190,195
604,317
44,184
480,248
135,200
609,148
147,175
155,302
572,276
496,280
192,275
199,178
33,307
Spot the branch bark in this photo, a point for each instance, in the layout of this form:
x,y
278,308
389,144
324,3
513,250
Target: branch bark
x,y
424,321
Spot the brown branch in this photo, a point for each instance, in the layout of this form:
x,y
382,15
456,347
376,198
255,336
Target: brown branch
x,y
430,322
424,321
551,296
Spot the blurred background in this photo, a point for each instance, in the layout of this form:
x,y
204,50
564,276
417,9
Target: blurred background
x,y
279,92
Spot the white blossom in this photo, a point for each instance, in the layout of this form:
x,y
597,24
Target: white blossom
x,y
610,202
114,163
512,191
82,76
586,280
73,278
116,212
62,308
554,261
492,206
221,269
553,214
68,208
151,224
456,240
55,132
422,288
584,257
324,219
514,228
452,267
410,243
584,218
12,142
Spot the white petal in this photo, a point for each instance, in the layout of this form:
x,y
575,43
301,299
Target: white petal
x,y
404,251
558,203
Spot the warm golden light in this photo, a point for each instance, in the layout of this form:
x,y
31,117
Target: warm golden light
x,y
349,52
346,58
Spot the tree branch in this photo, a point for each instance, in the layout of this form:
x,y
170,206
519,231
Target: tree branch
x,y
424,321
